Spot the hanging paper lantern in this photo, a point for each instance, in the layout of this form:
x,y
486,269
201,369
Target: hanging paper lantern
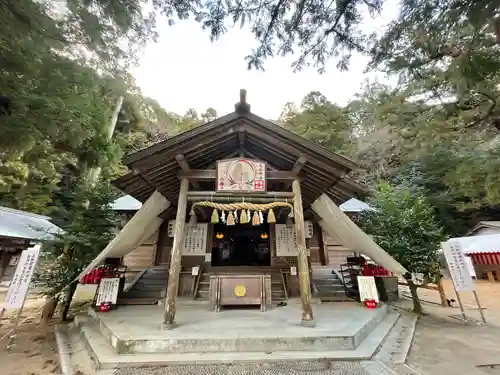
x,y
230,218
264,236
219,236
215,216
271,219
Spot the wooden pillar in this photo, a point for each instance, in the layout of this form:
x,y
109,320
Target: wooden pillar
x,y
176,255
4,262
491,276
303,267
323,247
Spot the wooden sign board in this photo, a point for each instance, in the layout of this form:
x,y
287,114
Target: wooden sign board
x,y
195,270
367,288
286,241
19,286
195,241
108,290
460,275
241,175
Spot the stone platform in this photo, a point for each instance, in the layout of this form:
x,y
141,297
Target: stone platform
x,y
132,336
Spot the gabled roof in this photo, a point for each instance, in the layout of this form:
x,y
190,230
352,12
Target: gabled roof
x,y
25,225
236,134
485,224
126,203
354,205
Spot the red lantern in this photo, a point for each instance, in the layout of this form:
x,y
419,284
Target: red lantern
x,y
370,303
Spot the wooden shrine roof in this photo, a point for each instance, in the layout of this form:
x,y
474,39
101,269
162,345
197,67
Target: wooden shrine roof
x,y
240,133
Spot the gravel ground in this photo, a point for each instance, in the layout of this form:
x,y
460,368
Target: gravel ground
x,y
291,368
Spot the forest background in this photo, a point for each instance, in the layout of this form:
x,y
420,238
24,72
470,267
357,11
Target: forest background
x,y
64,64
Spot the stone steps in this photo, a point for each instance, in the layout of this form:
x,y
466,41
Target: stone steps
x,y
106,356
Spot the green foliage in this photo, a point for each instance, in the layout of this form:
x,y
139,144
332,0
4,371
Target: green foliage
x,y
86,235
403,223
318,120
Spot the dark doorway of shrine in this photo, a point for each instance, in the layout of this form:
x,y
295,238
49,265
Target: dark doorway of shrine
x,y
241,245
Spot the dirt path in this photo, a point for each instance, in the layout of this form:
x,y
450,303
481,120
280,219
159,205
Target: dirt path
x,y
33,350
448,347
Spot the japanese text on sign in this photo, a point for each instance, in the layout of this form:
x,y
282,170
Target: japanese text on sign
x,y
459,272
108,290
367,288
21,280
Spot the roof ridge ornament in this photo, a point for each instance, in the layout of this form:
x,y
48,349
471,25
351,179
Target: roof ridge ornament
x,y
242,106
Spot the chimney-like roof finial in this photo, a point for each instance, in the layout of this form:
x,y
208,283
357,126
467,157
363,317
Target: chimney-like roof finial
x,y
242,106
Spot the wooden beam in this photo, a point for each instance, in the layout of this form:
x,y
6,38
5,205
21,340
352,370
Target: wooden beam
x,y
211,174
269,165
323,247
176,255
236,195
241,139
297,167
303,265
228,199
181,160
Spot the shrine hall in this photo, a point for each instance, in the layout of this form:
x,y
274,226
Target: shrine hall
x,y
235,212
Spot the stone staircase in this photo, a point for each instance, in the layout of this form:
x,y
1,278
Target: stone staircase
x,y
278,293
148,288
327,286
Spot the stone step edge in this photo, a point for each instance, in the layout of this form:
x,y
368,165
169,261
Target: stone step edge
x,y
104,356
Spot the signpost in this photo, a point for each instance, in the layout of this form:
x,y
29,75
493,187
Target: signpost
x,y
367,289
19,286
460,275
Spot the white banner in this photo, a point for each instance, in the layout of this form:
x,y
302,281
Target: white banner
x,y
459,272
108,290
19,286
367,288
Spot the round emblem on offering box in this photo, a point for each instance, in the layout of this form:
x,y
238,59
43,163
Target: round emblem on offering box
x,y
240,291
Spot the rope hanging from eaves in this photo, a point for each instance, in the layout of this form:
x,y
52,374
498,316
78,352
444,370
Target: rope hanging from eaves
x,y
245,214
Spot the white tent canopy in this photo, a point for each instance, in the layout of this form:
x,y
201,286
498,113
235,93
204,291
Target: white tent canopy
x,y
142,226
126,203
487,243
354,205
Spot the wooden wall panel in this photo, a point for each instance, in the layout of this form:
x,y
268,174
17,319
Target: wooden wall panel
x,y
140,258
336,253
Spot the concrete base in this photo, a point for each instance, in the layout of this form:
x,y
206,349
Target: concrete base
x,y
131,336
308,323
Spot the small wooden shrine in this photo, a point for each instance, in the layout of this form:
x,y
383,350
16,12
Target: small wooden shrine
x,y
238,206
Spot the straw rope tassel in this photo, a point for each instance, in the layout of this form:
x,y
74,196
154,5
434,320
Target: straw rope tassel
x,y
243,217
271,219
215,216
230,218
255,219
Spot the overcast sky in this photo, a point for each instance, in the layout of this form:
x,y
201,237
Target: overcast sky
x,y
185,70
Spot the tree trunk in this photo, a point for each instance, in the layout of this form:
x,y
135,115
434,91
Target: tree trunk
x,y
442,294
48,310
417,307
68,297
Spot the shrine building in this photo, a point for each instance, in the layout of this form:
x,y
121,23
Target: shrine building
x,y
235,211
